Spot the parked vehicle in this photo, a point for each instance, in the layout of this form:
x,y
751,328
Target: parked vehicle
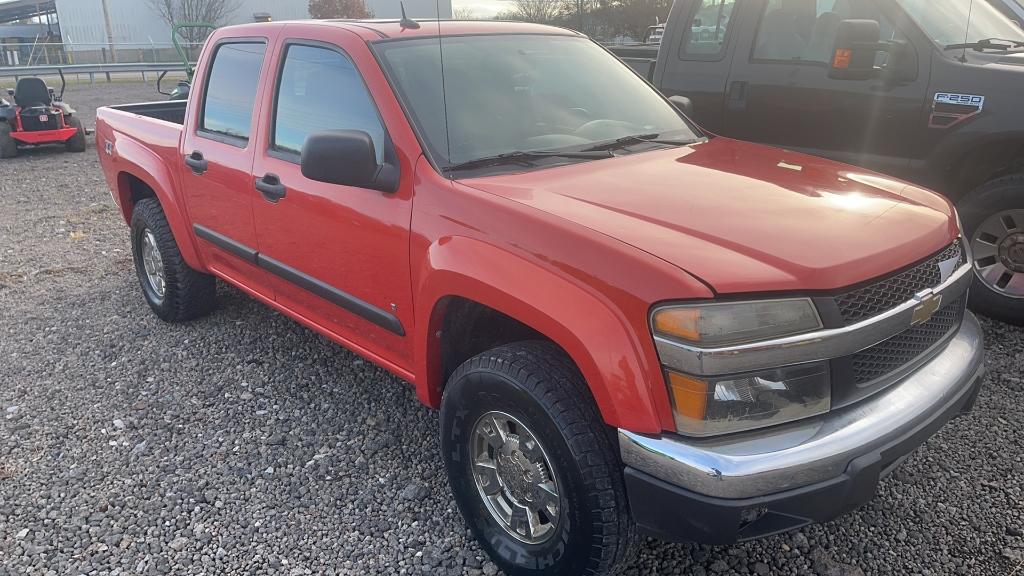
x,y
923,90
629,326
181,89
38,116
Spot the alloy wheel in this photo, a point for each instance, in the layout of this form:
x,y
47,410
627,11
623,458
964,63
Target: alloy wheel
x,y
515,478
153,263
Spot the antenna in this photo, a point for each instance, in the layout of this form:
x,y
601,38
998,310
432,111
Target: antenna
x,y
967,32
406,22
444,89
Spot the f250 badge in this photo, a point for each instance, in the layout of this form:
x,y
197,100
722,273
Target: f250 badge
x,y
950,109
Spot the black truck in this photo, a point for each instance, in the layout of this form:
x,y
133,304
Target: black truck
x,y
929,91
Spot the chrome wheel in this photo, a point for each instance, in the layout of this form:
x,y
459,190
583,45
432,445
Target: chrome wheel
x,y
998,247
515,478
153,263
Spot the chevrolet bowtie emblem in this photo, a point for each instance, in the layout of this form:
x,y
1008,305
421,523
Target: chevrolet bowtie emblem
x,y
930,304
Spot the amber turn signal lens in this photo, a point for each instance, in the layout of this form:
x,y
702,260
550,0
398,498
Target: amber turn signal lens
x,y
842,59
679,322
689,395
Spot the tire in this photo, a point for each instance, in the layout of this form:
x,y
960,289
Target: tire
x,y
186,293
540,389
993,218
77,142
8,145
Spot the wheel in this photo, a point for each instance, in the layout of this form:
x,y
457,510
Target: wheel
x,y
77,142
532,465
173,290
993,216
8,145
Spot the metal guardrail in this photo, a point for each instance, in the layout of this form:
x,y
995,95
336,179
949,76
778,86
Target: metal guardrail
x,y
91,69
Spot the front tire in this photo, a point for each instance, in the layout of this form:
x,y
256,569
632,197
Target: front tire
x,y
532,465
993,216
77,142
173,290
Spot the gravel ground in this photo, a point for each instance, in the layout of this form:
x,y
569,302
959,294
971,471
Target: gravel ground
x,y
243,443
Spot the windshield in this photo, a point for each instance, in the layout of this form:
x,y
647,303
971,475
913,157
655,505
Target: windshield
x,y
946,21
522,93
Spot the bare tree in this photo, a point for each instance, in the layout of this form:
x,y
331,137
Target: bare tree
x,y
339,9
214,12
542,11
464,13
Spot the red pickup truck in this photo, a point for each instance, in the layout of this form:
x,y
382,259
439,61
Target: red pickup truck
x,y
630,326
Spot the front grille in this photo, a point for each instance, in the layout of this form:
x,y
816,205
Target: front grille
x,y
30,121
884,295
900,350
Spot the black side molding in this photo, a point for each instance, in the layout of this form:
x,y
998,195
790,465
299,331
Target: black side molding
x,y
345,300
365,310
224,243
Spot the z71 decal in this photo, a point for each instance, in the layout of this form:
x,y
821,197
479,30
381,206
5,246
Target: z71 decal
x,y
950,109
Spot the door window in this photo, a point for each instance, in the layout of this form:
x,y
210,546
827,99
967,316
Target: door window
x,y
706,36
320,89
231,89
805,30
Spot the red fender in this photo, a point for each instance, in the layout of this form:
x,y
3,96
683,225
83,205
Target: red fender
x,y
594,334
135,159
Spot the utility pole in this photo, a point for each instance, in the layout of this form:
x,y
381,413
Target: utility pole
x,y
110,31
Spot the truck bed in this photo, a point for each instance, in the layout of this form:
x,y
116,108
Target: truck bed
x,y
169,111
641,58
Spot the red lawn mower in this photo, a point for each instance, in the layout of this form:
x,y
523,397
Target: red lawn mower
x,y
38,117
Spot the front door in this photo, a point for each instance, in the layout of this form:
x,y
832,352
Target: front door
x,y
337,255
779,91
217,168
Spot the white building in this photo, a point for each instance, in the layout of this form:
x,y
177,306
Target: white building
x,y
134,22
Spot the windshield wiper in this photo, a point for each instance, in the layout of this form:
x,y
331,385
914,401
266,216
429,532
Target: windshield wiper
x,y
526,157
637,139
987,44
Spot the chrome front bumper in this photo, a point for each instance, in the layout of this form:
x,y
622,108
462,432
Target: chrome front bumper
x,y
772,460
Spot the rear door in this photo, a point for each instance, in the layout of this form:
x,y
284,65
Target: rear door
x,y
336,255
695,63
779,91
218,148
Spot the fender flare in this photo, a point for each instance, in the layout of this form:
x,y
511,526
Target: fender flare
x,y
142,163
594,333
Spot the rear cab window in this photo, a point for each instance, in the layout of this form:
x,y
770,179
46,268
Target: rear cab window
x,y
231,90
706,34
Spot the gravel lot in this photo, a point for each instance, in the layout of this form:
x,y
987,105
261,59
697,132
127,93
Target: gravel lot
x,y
243,443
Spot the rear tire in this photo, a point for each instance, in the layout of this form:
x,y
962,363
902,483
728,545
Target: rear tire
x,y
175,291
532,393
8,145
77,142
993,218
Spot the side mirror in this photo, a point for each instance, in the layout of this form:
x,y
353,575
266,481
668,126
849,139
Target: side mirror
x,y
856,48
683,104
347,158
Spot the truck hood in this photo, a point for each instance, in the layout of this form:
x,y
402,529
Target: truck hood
x,y
744,217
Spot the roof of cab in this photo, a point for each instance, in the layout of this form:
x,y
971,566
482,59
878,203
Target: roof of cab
x,y
390,29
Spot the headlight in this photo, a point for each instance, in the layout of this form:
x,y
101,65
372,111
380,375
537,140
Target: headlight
x,y
721,324
709,406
